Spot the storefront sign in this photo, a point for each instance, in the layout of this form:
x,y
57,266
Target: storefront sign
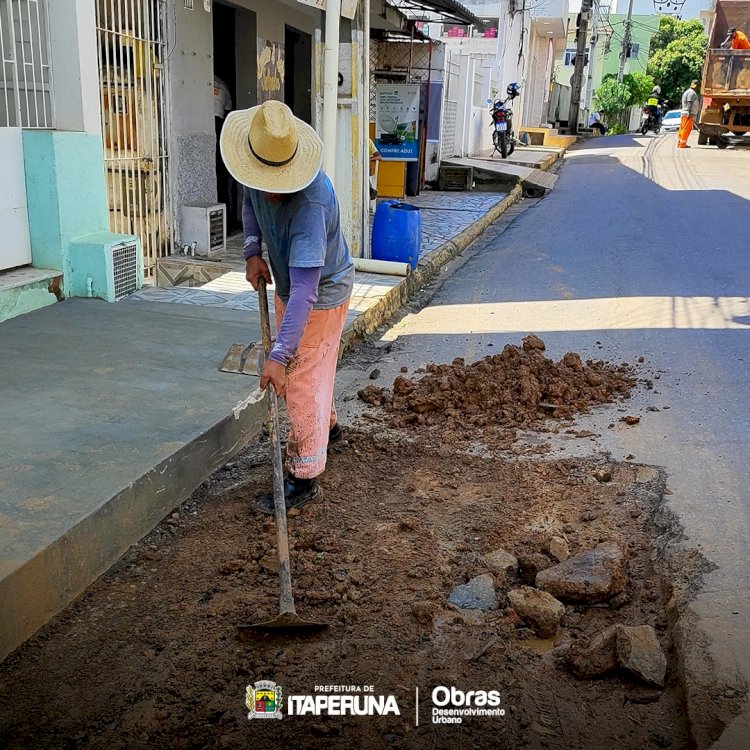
x,y
397,121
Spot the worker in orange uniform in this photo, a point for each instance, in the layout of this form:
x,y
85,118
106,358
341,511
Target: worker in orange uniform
x,y
690,107
736,40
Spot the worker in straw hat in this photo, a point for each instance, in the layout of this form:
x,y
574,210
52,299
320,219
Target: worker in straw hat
x,y
289,202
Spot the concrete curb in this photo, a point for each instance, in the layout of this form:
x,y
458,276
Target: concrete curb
x,y
550,160
47,583
428,268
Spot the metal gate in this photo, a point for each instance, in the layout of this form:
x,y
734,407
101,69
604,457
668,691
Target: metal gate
x,y
132,54
450,109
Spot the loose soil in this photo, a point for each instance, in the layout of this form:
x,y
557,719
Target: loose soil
x,y
519,387
151,656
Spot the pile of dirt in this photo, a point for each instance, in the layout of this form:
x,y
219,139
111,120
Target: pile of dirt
x,y
519,387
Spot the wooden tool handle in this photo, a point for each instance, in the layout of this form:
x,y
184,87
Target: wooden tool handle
x,y
265,323
286,599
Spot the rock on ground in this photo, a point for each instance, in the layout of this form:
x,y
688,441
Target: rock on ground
x,y
634,648
478,593
558,548
539,608
501,563
533,342
591,576
638,651
530,565
598,658
373,395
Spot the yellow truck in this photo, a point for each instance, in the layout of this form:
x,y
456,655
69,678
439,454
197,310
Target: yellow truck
x,y
726,78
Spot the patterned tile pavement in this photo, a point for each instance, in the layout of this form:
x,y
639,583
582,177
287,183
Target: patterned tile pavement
x,y
444,215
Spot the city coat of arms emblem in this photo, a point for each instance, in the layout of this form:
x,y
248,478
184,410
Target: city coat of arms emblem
x,y
264,700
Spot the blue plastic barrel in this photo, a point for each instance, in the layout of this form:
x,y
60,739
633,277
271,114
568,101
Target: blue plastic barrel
x,y
397,232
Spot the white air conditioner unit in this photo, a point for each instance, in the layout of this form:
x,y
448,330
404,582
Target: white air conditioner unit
x,y
206,225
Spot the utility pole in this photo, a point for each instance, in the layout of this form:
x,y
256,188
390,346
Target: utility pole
x,y
592,58
625,51
576,83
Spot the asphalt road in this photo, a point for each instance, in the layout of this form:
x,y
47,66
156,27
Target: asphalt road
x,y
645,249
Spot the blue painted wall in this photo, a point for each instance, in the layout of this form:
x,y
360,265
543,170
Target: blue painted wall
x,y
68,213
65,192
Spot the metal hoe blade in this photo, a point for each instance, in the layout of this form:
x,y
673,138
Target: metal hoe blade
x,y
287,619
243,359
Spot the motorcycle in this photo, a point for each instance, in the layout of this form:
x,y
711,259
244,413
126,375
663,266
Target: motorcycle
x,y
651,122
503,137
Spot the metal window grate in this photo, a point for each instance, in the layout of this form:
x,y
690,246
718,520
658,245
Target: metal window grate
x,y
125,268
132,54
26,76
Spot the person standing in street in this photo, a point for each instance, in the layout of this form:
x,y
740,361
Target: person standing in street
x,y
690,106
291,203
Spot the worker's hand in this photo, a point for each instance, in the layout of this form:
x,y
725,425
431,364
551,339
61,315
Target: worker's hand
x,y
275,374
256,268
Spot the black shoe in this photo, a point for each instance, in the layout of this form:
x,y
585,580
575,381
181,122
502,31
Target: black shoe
x,y
335,433
297,492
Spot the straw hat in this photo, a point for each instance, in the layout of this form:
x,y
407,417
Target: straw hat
x,y
267,148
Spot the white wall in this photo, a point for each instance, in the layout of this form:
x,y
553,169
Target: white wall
x,y
480,139
75,68
538,82
193,138
15,246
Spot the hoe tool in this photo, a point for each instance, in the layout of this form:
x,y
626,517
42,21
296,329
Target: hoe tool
x,y
287,619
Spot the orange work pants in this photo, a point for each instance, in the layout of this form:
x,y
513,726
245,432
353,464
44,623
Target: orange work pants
x,y
309,389
686,127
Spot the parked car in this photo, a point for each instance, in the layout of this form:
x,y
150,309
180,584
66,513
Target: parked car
x,y
671,121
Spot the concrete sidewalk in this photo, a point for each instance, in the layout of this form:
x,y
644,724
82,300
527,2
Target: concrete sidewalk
x,y
533,157
117,412
534,181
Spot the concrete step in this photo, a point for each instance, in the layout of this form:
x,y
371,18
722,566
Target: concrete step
x,y
25,289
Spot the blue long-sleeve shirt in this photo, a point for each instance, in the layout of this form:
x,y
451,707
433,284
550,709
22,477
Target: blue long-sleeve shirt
x,y
309,257
302,294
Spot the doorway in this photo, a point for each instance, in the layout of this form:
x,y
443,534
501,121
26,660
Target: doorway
x,y
298,73
235,63
225,96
